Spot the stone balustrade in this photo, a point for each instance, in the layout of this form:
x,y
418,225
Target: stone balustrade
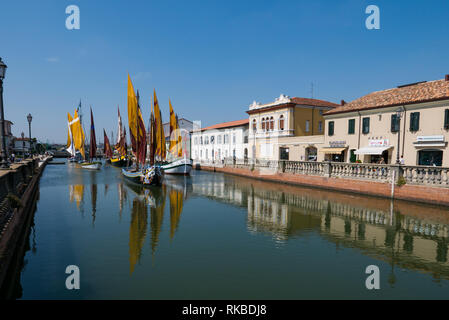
x,y
413,175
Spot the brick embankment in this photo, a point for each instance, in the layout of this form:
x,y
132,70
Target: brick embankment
x,y
424,194
22,181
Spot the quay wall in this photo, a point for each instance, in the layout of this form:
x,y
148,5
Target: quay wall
x,y
417,193
20,182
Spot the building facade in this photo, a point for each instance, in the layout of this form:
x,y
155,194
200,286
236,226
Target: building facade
x,y
220,141
409,122
287,129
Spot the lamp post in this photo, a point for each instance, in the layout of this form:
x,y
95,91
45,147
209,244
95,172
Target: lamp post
x,y
23,145
4,163
30,118
398,121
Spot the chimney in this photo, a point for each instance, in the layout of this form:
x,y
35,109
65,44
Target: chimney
x,y
446,77
343,102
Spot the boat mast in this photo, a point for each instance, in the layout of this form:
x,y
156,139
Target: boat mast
x,y
137,130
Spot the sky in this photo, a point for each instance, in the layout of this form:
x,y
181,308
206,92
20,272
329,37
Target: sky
x,y
211,58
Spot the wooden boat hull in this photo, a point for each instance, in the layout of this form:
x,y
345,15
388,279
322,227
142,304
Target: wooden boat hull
x,y
91,166
119,163
181,166
148,177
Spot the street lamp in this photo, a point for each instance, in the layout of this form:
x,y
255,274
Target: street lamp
x,y
30,118
23,145
398,121
4,163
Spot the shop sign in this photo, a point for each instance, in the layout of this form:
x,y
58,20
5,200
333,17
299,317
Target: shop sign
x,y
379,143
337,144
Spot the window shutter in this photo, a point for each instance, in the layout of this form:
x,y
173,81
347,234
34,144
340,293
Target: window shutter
x,y
393,123
446,119
412,121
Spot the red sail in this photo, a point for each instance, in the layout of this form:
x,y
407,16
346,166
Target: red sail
x,y
93,140
107,146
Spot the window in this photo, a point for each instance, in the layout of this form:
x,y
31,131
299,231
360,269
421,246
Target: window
x,y
414,121
320,126
271,123
446,119
206,140
254,125
307,125
394,123
281,122
201,140
263,124
219,139
212,139
365,125
351,126
233,138
330,129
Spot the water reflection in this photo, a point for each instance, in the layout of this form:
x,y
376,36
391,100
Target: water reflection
x,y
403,234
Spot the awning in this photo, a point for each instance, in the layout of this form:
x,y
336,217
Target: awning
x,y
332,150
372,150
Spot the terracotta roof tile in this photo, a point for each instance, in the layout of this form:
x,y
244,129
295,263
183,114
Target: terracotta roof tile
x,y
314,102
417,93
227,124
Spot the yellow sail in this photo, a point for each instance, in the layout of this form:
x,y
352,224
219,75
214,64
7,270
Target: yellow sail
x,y
77,134
178,138
132,109
173,138
160,136
69,138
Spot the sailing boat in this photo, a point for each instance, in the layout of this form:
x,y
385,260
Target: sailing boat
x,y
146,176
121,159
107,147
92,148
77,136
70,143
179,164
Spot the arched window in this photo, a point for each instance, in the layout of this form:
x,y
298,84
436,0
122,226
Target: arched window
x,y
263,124
254,125
271,124
281,122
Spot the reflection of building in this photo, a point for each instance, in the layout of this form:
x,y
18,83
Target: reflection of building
x,y
220,141
376,227
288,128
367,128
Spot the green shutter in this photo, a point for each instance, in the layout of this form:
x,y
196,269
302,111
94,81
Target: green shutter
x,y
393,122
365,125
351,126
331,128
414,121
446,119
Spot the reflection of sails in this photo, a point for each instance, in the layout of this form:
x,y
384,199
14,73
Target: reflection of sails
x,y
137,231
157,216
77,194
176,200
93,188
122,196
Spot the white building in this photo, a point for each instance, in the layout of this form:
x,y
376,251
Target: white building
x,y
220,141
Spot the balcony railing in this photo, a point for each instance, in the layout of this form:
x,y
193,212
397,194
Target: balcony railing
x,y
414,175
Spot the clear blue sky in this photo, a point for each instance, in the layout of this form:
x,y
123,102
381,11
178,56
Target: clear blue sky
x,y
212,58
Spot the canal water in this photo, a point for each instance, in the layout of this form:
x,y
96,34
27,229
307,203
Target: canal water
x,y
217,236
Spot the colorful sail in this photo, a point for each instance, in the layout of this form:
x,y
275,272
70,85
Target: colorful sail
x,y
160,150
70,143
93,139
136,125
77,134
107,146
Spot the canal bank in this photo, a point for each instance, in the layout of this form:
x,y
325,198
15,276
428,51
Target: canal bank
x,y
376,181
18,194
